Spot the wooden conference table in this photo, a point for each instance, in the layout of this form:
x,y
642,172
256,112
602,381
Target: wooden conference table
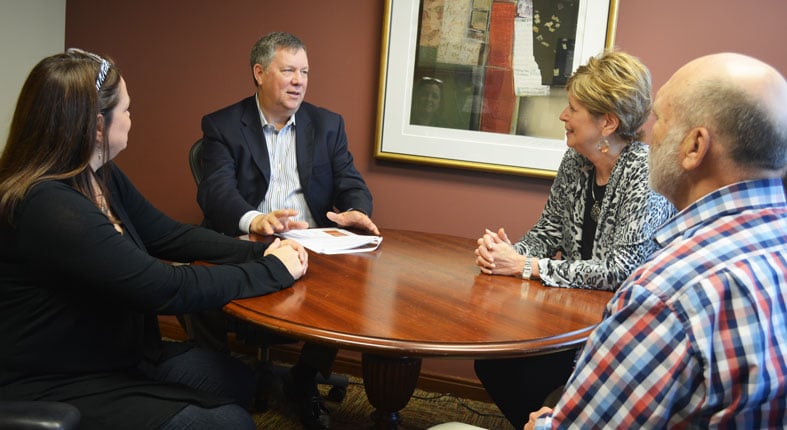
x,y
420,295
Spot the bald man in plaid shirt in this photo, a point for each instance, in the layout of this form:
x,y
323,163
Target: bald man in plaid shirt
x,y
697,336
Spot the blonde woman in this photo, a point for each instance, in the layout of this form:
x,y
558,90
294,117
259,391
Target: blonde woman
x,y
598,222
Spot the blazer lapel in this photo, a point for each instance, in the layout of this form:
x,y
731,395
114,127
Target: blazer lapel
x,y
251,127
304,145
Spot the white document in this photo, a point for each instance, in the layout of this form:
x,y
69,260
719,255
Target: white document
x,y
333,240
527,74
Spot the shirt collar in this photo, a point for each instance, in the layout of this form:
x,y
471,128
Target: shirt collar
x,y
290,121
733,198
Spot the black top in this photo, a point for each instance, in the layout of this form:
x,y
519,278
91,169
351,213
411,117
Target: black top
x,y
594,198
79,301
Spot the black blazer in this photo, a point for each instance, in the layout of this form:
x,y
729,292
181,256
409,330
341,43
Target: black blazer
x,y
237,169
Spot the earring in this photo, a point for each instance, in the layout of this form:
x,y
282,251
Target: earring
x,y
603,145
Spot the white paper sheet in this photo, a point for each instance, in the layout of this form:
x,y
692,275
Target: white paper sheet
x,y
333,240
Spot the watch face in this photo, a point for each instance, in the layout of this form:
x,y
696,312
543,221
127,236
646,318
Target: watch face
x,y
527,270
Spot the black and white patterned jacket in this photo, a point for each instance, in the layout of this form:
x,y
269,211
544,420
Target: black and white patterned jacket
x,y
630,213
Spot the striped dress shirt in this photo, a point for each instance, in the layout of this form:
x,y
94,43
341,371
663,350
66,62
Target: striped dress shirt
x,y
697,336
285,190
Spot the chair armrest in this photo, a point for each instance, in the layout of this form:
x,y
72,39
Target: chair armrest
x,y
35,415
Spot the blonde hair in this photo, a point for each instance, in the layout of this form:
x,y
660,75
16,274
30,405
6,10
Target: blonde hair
x,y
615,83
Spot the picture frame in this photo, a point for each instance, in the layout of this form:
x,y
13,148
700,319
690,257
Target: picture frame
x,y
497,69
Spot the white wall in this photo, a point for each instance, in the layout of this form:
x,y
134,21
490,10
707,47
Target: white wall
x,y
29,31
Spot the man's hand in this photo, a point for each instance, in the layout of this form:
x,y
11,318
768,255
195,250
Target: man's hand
x,y
531,424
354,219
291,254
276,222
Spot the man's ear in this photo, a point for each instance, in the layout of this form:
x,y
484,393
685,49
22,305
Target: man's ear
x,y
695,148
258,71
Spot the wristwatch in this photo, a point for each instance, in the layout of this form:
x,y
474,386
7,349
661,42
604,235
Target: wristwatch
x,y
528,269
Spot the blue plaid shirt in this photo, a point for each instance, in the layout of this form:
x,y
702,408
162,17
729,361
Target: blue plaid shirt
x,y
697,336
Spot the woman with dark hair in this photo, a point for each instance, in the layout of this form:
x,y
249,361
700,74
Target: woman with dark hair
x,y
430,105
85,268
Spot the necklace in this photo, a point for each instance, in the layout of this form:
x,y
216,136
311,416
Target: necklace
x,y
105,209
103,205
595,210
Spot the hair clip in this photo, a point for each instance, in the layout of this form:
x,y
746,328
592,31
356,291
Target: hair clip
x,y
431,79
103,70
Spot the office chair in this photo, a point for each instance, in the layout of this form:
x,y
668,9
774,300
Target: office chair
x,y
195,162
338,383
38,415
784,183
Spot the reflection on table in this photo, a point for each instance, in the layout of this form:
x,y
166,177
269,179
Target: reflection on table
x,y
420,295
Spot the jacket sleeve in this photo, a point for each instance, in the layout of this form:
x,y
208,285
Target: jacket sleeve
x,y
625,245
328,175
545,239
629,217
351,189
168,239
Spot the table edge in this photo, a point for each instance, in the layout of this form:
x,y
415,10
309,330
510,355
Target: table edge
x,y
394,347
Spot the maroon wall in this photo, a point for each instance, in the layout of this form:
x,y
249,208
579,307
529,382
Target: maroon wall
x,y
185,58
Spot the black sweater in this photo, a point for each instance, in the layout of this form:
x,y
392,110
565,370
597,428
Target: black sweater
x,y
78,301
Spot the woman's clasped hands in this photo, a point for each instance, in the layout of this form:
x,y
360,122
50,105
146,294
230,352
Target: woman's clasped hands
x,y
496,256
292,254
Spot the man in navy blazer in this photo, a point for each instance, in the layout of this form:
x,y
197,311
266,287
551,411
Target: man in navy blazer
x,y
272,163
237,169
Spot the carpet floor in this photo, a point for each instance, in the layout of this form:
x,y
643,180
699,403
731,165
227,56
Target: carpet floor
x,y
424,410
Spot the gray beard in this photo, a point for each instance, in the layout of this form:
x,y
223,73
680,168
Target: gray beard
x,y
665,173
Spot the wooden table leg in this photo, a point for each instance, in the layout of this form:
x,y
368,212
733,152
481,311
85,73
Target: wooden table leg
x,y
389,383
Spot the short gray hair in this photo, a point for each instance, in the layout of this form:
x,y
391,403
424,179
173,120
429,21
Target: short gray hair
x,y
756,139
264,50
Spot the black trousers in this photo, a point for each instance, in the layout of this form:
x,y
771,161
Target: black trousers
x,y
519,386
209,329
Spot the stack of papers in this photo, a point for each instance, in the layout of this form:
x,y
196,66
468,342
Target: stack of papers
x,y
333,240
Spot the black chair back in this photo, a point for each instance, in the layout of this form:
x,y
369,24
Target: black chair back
x,y
195,162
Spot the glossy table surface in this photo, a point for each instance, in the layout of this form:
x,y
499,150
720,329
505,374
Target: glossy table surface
x,y
421,295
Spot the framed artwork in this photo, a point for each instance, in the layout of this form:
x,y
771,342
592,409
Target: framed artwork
x,y
479,84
